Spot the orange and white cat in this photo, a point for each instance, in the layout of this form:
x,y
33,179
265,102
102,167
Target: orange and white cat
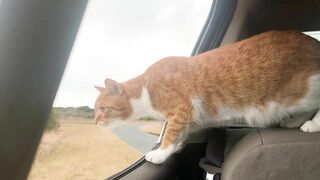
x,y
269,79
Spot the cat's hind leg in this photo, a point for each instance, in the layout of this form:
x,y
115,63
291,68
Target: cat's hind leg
x,y
312,125
172,141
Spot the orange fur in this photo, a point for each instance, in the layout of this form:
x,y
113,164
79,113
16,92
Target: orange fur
x,y
273,66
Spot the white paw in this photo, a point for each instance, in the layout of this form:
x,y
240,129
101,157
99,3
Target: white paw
x,y
156,157
160,155
310,126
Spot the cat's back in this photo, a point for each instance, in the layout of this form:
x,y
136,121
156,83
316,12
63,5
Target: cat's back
x,y
267,67
263,63
268,50
271,56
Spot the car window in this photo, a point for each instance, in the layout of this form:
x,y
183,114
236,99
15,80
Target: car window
x,y
118,40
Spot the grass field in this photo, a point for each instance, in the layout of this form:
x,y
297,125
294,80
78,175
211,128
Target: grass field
x,y
80,150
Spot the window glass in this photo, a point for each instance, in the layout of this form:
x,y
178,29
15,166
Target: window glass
x,y
117,40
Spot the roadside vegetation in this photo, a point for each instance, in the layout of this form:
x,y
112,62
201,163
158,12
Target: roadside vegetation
x,y
74,112
83,112
53,121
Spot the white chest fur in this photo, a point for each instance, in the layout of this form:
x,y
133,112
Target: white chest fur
x,y
142,107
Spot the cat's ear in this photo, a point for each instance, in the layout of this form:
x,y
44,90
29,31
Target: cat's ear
x,y
113,87
100,89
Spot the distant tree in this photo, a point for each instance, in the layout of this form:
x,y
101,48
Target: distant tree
x,y
85,109
76,112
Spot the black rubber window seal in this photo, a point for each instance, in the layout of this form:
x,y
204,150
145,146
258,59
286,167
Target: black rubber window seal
x,y
217,23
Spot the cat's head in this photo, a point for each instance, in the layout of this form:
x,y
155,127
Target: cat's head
x,y
111,104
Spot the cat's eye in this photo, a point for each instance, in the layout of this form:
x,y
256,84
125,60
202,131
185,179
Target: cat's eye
x,y
110,109
116,108
102,109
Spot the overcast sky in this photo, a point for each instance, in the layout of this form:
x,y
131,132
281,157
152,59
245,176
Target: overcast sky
x,y
120,39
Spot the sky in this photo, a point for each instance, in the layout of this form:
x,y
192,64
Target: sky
x,y
120,39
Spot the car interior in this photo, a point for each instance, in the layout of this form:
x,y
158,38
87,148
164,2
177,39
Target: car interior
x,y
30,77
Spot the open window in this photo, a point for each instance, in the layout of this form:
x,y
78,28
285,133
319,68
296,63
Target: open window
x,y
117,40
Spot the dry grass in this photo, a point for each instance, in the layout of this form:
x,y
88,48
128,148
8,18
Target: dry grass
x,y
80,150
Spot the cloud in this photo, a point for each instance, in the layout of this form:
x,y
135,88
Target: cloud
x,y
120,39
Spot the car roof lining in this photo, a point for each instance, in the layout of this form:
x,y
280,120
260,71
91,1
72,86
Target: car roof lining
x,y
254,17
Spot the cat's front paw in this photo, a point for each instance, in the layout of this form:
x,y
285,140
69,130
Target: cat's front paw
x,y
159,156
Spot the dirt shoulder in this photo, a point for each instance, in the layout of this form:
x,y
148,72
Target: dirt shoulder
x,y
80,150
